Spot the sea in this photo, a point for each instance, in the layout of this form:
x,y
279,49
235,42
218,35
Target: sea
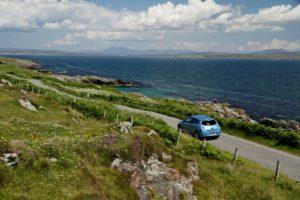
x,y
264,88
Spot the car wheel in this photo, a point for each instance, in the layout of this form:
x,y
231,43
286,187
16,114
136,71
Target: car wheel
x,y
196,134
180,129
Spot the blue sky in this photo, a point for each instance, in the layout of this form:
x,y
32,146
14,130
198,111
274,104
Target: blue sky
x,y
93,25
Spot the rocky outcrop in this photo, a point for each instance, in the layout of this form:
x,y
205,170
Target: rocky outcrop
x,y
166,157
94,80
27,64
224,110
155,176
26,104
10,159
152,132
142,97
290,125
4,82
125,127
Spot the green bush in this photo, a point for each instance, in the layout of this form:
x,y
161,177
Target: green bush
x,y
283,137
5,175
4,146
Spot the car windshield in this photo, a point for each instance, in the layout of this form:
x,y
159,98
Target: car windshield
x,y
209,123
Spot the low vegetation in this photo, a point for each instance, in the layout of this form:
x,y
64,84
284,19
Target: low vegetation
x,y
277,138
66,149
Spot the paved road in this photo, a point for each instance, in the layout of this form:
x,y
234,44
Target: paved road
x,y
289,164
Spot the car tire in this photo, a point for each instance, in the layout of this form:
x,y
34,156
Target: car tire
x,y
196,134
180,129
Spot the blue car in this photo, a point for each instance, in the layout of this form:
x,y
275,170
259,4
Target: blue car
x,y
200,126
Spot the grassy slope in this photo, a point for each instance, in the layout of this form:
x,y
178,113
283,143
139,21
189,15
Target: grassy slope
x,y
257,133
83,171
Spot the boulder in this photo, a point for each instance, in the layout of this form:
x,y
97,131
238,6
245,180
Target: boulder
x,y
125,127
4,82
10,159
224,110
26,104
94,80
166,157
290,125
155,176
152,132
53,160
27,64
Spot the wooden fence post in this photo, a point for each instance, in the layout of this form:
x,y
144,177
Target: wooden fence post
x,y
203,144
117,118
277,170
131,120
178,138
104,115
235,155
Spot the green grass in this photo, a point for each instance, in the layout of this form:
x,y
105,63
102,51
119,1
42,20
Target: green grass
x,y
260,140
75,134
276,138
83,168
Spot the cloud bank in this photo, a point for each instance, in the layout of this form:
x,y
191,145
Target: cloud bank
x,y
84,20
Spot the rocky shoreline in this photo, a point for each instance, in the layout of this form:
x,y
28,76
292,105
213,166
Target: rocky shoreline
x,y
226,110
97,80
220,109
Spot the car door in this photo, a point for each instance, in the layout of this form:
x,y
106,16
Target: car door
x,y
187,123
193,127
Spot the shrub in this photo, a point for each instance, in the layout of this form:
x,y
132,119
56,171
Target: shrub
x,y
283,137
4,146
5,175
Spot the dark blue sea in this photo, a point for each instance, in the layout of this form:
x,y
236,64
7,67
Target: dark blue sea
x,y
264,88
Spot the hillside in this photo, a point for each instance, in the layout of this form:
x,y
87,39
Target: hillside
x,y
74,147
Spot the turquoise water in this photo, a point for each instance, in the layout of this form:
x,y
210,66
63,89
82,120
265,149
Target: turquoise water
x,y
265,88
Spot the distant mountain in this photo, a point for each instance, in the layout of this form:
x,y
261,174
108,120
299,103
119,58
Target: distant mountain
x,y
35,51
272,51
169,53
120,51
124,51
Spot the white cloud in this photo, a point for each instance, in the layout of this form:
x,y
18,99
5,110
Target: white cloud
x,y
267,18
170,16
84,20
72,39
273,44
249,46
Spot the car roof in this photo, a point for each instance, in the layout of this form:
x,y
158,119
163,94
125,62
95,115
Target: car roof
x,y
202,117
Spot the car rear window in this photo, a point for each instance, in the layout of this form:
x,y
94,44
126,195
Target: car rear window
x,y
209,123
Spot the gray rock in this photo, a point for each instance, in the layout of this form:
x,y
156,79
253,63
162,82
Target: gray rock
x,y
94,80
4,82
125,127
10,159
155,176
53,160
290,125
166,157
26,104
224,110
152,132
27,64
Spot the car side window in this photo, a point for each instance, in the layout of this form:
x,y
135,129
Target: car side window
x,y
188,120
194,121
